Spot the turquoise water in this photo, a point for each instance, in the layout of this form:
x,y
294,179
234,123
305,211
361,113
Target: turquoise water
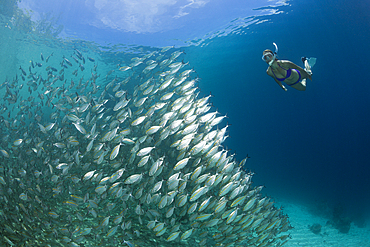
x,y
309,146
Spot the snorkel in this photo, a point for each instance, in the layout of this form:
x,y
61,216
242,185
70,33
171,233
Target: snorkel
x,y
274,55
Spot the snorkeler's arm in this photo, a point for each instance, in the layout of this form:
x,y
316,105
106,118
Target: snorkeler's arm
x,y
281,85
278,82
301,70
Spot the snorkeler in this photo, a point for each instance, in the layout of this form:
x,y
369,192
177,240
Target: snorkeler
x,y
288,72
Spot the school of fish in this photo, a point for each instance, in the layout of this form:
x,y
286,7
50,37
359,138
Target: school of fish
x,y
103,163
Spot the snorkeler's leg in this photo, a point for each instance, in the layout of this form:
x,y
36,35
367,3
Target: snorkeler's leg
x,y
301,86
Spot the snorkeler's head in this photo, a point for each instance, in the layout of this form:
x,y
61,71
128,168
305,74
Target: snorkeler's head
x,y
268,56
267,51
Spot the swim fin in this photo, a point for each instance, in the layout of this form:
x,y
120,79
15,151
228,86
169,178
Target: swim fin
x,y
311,61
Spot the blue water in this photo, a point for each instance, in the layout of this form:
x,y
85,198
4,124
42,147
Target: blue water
x,y
310,146
306,146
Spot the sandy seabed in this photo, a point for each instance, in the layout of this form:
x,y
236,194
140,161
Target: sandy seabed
x,y
300,218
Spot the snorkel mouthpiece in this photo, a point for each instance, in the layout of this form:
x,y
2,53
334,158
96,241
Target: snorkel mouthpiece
x,y
272,60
